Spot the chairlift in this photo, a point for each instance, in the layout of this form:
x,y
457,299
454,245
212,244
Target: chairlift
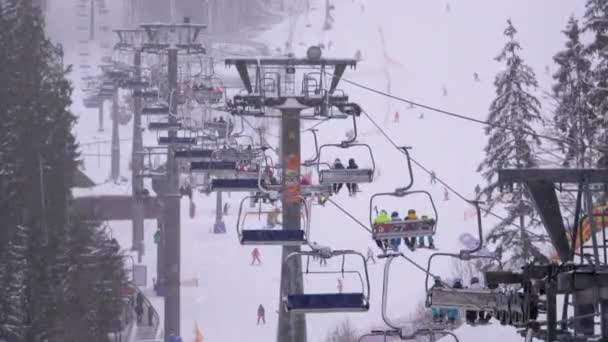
x,y
408,228
235,184
213,165
474,299
176,140
156,109
208,94
164,126
423,226
332,176
191,154
329,302
284,236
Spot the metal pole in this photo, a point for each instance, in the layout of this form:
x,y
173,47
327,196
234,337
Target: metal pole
x,y
92,21
589,204
137,182
100,129
292,327
171,213
115,139
218,214
551,310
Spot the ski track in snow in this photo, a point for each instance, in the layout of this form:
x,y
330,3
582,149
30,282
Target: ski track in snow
x,y
433,49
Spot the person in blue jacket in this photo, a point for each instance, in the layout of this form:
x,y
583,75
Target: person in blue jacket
x,y
396,241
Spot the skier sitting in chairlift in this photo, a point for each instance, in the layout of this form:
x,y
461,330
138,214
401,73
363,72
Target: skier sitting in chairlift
x,y
382,217
410,242
395,242
429,236
337,166
352,187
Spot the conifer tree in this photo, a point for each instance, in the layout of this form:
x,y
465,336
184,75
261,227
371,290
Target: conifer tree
x,y
596,22
574,119
14,277
512,114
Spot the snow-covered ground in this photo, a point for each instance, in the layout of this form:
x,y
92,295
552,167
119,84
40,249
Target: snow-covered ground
x,y
427,49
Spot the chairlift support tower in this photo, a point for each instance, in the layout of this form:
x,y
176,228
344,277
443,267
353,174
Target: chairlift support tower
x,y
291,103
587,284
132,40
172,39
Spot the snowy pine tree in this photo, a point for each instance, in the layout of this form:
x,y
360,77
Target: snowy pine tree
x,y
574,119
596,22
512,114
14,276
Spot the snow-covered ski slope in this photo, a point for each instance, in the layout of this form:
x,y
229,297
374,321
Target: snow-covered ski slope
x,y
427,48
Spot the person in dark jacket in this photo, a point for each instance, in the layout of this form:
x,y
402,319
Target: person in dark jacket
x,y
352,187
261,314
337,166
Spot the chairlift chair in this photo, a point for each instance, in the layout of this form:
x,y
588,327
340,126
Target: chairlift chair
x,y
169,140
329,302
164,126
406,228
287,236
332,176
193,154
235,184
157,109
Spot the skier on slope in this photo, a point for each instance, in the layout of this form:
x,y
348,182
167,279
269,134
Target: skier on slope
x,y
340,286
396,117
433,177
446,194
370,255
255,255
261,314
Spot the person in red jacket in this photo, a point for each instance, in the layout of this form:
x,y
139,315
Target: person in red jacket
x,y
255,255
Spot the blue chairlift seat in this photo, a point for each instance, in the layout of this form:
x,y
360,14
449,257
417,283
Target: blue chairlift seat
x,y
164,126
235,184
193,154
402,229
327,302
279,237
176,140
213,165
155,110
330,176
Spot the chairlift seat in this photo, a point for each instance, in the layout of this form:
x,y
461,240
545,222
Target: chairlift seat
x,y
279,237
131,83
403,229
164,126
176,140
310,190
150,93
193,154
217,125
469,299
327,302
236,155
156,110
235,185
330,176
213,165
